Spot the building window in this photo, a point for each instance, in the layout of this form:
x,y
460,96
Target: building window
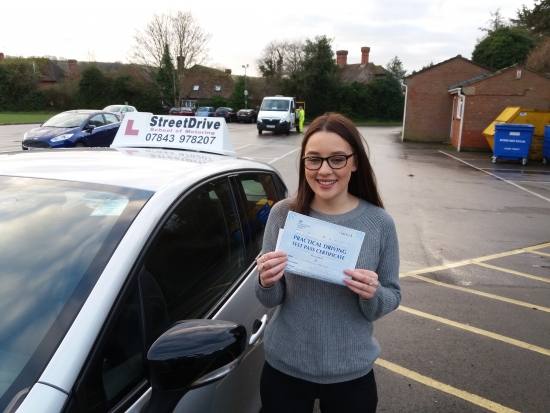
x,y
196,87
218,88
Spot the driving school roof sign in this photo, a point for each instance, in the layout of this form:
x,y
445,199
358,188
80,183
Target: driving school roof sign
x,y
139,129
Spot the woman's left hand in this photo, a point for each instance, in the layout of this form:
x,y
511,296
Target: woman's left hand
x,y
364,282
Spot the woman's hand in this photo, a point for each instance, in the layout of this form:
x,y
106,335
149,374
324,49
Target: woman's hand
x,y
271,267
364,282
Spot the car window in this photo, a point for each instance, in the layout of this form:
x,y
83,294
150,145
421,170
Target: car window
x,y
111,118
199,252
195,258
55,241
97,120
258,195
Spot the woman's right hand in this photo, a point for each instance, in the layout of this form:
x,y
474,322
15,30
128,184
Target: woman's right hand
x,y
271,267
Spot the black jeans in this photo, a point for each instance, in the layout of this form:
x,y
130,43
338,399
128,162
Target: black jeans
x,y
282,393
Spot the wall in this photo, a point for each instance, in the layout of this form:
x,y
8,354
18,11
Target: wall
x,y
429,104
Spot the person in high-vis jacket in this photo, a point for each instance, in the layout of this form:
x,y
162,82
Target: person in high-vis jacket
x,y
302,117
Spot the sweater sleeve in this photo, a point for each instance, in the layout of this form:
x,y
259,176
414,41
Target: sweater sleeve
x,y
388,294
274,295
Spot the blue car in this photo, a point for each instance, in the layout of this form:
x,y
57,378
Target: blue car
x,y
207,111
74,129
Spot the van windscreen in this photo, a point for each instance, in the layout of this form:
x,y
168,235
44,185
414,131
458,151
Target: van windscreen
x,y
275,105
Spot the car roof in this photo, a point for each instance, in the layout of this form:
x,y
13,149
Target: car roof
x,y
141,168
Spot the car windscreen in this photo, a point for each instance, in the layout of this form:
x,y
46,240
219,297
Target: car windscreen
x,y
66,120
113,108
56,238
275,105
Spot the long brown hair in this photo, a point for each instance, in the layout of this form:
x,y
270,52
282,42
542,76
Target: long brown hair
x,y
362,183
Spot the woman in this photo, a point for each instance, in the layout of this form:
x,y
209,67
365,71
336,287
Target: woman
x,y
319,343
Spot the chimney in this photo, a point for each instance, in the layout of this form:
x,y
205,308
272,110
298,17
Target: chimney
x,y
342,58
1,57
365,55
228,71
72,66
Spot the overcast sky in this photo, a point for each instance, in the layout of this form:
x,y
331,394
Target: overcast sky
x,y
417,31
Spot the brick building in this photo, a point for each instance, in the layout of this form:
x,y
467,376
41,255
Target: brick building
x,y
428,105
456,100
478,101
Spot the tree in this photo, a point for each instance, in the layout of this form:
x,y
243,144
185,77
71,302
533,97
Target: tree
x,y
536,20
503,47
18,77
318,82
395,67
280,60
186,41
236,100
165,77
93,88
386,99
539,58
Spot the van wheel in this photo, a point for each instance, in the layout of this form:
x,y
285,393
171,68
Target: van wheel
x,y
287,132
259,131
298,128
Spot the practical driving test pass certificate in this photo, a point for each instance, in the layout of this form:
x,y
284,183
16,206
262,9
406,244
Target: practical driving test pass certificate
x,y
319,249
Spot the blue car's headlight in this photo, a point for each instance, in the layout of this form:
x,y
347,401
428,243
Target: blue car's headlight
x,y
62,137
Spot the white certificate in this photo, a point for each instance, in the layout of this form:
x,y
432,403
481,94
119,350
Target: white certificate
x,y
319,249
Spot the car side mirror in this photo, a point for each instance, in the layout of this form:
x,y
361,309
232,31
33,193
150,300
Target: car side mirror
x,y
90,128
191,354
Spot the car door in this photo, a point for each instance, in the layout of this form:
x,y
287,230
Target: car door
x,y
113,123
195,266
99,136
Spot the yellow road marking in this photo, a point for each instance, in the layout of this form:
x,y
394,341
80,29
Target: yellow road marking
x,y
464,395
476,330
540,253
468,290
531,249
522,274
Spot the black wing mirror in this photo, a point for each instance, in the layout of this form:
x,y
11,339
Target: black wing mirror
x,y
189,355
90,128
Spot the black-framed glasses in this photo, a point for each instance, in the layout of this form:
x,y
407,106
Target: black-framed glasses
x,y
314,163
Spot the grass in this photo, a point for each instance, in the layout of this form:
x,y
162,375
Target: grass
x,y
25,117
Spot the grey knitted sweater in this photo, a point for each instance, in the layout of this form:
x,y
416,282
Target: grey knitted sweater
x,y
322,332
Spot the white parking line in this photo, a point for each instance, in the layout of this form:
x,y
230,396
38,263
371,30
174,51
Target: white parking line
x,y
496,176
286,154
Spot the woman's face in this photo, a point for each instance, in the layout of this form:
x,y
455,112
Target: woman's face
x,y
329,185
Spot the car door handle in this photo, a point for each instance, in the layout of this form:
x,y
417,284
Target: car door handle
x,y
257,330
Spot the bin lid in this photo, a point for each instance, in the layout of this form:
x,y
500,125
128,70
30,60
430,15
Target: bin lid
x,y
515,127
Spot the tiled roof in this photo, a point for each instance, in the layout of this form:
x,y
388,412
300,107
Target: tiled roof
x,y
491,74
442,63
207,79
361,73
472,80
51,72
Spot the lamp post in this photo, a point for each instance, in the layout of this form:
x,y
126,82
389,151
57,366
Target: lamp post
x,y
245,90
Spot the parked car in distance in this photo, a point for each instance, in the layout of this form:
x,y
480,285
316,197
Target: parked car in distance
x,y
247,115
120,109
74,128
181,111
205,111
227,113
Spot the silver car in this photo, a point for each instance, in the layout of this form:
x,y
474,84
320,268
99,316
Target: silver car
x,y
120,110
126,280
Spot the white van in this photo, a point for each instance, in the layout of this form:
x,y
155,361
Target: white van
x,y
278,114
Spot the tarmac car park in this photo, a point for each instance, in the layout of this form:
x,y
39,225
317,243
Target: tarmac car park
x,y
128,267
